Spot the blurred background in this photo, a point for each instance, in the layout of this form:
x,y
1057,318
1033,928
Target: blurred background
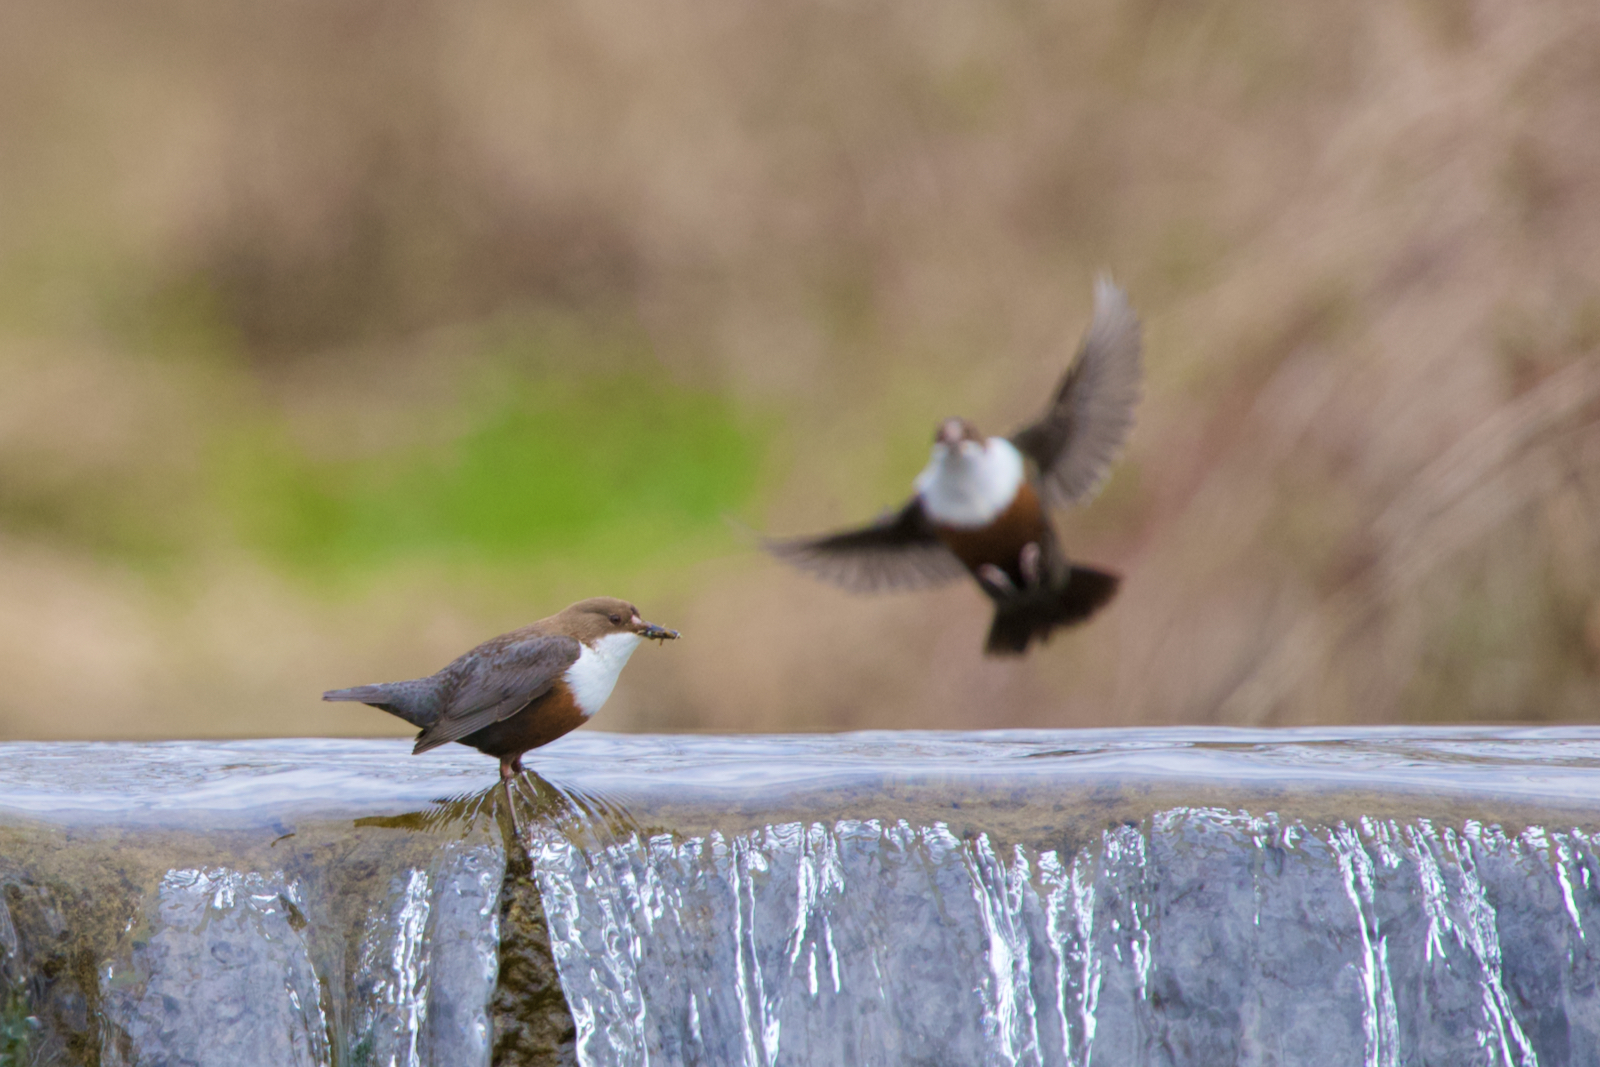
x,y
339,335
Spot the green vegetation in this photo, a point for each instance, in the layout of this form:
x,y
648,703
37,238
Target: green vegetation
x,y
627,465
17,1027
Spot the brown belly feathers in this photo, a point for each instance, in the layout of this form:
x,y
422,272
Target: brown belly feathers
x,y
541,722
1000,543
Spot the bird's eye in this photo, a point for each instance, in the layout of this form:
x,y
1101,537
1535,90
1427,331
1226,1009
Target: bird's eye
x,y
616,620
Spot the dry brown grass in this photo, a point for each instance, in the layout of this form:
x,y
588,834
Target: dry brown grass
x,y
1362,235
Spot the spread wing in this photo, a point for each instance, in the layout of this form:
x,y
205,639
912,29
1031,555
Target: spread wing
x,y
1081,434
899,551
496,682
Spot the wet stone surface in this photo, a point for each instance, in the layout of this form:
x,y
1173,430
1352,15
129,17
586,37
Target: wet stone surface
x,y
225,966
1114,897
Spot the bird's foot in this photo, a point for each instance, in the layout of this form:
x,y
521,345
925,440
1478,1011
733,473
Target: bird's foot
x,y
1030,561
996,582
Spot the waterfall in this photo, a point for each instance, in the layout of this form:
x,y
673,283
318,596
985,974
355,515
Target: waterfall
x,y
1105,898
1200,936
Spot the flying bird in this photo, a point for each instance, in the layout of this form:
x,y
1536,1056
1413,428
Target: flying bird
x,y
523,689
980,505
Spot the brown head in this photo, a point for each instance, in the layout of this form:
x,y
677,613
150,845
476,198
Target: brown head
x,y
953,431
589,620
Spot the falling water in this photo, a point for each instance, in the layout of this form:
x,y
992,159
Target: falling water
x,y
1199,936
1189,934
1119,897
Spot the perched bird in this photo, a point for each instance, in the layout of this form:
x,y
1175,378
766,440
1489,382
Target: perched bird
x,y
522,689
980,504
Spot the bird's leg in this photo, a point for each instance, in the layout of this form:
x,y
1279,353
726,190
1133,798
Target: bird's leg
x,y
509,770
1030,562
996,582
511,809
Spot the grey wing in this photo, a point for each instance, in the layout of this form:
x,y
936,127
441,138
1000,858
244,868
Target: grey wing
x,y
494,684
899,551
1082,432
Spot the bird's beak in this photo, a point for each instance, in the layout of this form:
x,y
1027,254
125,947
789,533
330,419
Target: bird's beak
x,y
651,632
950,433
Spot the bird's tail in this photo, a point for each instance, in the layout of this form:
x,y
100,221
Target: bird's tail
x,y
1031,615
415,701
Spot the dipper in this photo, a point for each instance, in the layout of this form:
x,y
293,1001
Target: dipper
x,y
523,689
980,503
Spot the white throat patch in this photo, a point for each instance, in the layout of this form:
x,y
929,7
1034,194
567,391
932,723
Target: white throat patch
x,y
970,484
595,674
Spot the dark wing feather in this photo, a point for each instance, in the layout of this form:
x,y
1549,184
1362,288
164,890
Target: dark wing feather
x,y
1081,434
494,682
899,551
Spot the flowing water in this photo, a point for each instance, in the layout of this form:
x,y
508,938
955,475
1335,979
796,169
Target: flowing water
x,y
1381,897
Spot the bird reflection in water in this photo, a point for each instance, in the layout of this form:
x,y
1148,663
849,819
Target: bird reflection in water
x,y
515,806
